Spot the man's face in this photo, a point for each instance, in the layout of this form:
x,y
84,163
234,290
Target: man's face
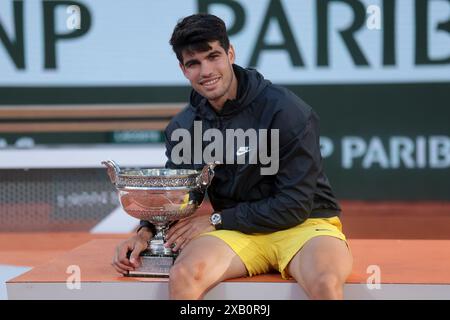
x,y
211,72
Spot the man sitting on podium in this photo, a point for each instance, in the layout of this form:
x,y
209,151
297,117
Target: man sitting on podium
x,y
285,221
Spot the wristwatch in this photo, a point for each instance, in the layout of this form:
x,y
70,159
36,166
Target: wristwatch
x,y
216,220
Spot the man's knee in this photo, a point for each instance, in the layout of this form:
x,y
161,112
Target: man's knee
x,y
326,286
188,273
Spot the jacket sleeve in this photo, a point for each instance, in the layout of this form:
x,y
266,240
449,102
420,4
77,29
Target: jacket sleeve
x,y
295,182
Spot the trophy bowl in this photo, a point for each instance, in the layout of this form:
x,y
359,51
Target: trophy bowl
x,y
159,196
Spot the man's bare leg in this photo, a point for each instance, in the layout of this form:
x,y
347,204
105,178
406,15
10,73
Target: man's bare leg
x,y
203,263
321,267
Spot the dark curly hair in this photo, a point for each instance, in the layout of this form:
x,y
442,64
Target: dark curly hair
x,y
193,33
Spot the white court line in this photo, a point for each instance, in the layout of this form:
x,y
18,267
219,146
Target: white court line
x,y
86,156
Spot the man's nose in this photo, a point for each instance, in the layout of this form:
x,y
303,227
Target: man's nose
x,y
206,69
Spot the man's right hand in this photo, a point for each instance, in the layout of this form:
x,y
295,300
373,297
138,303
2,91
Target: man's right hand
x,y
136,244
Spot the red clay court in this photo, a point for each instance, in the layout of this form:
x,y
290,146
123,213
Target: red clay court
x,y
413,260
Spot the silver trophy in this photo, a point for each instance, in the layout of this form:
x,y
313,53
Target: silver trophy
x,y
160,196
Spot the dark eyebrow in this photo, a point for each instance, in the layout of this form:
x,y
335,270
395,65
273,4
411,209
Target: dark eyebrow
x,y
213,53
192,61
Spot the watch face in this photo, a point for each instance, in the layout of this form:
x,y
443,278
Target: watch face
x,y
216,218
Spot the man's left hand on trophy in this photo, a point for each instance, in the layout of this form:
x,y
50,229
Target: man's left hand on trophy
x,y
187,229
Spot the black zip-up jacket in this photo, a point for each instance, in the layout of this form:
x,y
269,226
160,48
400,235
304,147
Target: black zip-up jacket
x,y
251,202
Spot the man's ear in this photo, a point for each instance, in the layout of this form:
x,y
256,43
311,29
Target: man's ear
x,y
231,54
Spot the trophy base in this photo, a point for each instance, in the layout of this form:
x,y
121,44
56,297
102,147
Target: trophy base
x,y
155,266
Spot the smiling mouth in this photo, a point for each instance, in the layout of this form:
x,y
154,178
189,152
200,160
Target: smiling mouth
x,y
210,82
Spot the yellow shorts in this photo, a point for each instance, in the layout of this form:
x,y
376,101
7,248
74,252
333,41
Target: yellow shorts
x,y
264,252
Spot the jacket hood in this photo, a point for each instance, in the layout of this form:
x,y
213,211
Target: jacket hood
x,y
250,84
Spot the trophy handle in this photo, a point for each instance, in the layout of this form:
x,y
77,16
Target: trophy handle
x,y
206,176
113,170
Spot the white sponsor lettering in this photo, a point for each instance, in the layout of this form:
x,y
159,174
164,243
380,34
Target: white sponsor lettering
x,y
398,152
